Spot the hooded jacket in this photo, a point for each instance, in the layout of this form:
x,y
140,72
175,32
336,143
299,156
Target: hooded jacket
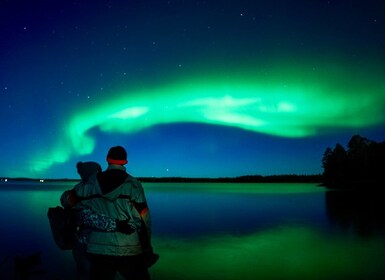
x,y
114,193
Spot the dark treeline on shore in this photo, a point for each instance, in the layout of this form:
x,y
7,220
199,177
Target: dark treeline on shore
x,y
360,166
242,179
292,178
33,180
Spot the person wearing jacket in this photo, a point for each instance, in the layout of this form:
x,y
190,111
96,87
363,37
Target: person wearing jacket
x,y
87,220
118,195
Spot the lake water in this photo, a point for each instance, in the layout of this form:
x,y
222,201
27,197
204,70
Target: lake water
x,y
219,231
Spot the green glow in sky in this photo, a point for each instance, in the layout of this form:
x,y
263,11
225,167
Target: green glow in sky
x,y
286,103
281,109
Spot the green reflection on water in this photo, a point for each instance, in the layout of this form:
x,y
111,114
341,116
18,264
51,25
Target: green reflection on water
x,y
282,253
286,252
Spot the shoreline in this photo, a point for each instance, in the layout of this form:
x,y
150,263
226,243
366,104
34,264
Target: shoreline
x,y
291,178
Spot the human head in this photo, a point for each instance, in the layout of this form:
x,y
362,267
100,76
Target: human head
x,y
117,155
88,168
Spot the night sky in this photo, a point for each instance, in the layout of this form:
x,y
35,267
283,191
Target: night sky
x,y
190,88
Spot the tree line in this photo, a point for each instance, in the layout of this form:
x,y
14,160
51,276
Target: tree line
x,y
361,165
289,178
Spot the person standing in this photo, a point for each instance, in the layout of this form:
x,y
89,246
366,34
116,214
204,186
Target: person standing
x,y
120,196
87,220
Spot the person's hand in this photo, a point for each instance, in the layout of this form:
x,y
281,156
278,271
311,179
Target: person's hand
x,y
124,227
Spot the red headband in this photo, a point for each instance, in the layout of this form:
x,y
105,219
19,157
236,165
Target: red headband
x,y
117,161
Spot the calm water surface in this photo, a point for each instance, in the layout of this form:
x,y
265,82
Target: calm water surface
x,y
219,231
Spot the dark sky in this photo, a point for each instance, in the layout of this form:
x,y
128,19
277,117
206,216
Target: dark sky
x,y
189,88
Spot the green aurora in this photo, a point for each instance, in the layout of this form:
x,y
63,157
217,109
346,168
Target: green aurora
x,y
181,83
284,102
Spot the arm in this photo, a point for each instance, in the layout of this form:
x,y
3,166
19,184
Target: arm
x,y
144,213
140,204
138,199
87,217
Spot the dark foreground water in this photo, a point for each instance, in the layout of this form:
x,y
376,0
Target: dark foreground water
x,y
218,231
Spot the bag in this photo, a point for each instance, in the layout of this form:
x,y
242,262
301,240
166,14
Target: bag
x,y
63,227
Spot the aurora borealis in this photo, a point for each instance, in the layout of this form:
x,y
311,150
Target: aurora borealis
x,y
190,88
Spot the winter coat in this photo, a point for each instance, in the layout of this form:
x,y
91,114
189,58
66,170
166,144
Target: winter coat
x,y
115,200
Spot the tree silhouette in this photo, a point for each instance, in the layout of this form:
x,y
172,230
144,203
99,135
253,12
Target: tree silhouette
x,y
334,163
361,165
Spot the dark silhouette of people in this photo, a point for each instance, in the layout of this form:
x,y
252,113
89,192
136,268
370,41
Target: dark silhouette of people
x,y
116,194
86,219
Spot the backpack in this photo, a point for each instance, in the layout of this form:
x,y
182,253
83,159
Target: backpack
x,y
63,227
